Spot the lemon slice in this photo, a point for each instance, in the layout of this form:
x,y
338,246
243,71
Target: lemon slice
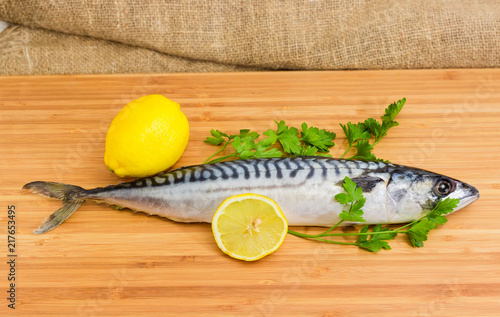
x,y
249,226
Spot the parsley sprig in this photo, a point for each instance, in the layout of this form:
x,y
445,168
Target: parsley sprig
x,y
358,135
286,141
376,239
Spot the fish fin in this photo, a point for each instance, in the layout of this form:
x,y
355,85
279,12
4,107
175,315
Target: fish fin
x,y
72,197
56,190
59,216
367,183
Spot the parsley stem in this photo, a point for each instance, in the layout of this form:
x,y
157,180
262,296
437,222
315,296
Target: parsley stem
x,y
324,234
352,157
314,236
348,148
364,233
220,150
411,223
336,242
332,228
302,235
309,236
222,158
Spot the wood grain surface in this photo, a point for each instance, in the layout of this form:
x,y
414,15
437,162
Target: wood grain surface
x,y
104,262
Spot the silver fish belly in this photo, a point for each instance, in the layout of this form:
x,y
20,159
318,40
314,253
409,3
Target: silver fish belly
x,y
304,188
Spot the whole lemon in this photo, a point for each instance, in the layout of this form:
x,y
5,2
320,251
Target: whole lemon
x,y
146,137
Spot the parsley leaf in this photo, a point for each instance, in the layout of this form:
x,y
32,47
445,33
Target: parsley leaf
x,y
359,134
355,132
356,193
354,215
393,109
374,127
286,136
375,243
382,235
321,139
386,125
443,207
243,133
272,137
309,151
364,151
418,232
263,151
379,130
246,134
217,137
363,238
243,147
355,197
353,193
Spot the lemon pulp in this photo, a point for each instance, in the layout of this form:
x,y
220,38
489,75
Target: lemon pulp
x,y
249,226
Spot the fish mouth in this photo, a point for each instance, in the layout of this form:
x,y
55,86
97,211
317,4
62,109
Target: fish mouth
x,y
467,195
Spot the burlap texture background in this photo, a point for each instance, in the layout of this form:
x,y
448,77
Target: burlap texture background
x,y
25,51
114,36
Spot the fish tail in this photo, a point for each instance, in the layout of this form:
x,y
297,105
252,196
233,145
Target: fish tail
x,y
72,197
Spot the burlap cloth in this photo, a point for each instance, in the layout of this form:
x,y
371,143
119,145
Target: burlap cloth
x,y
117,36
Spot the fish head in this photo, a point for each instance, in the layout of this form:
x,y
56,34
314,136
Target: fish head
x,y
414,192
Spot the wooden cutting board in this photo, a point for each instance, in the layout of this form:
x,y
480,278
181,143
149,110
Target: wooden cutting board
x,y
104,262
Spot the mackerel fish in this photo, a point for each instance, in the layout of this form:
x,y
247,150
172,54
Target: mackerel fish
x,y
304,188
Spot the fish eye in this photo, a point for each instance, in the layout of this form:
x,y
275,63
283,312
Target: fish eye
x,y
443,187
